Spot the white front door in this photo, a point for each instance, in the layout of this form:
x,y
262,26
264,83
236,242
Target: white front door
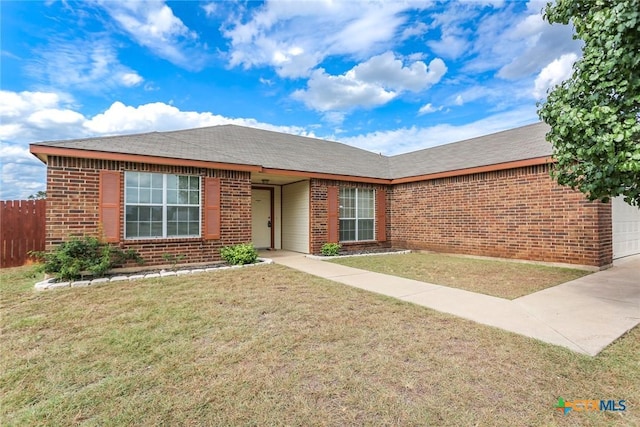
x,y
261,218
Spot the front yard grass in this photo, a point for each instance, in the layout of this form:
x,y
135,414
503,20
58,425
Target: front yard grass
x,y
271,346
503,279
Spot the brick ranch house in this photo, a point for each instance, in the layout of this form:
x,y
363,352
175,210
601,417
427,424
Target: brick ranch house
x,y
194,191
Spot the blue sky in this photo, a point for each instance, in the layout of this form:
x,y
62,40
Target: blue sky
x,y
389,77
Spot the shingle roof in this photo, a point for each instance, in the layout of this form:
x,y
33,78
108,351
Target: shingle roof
x,y
250,146
242,145
527,142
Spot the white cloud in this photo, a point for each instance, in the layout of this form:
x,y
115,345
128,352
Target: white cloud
x,y
553,74
517,45
538,49
388,71
37,116
153,25
326,93
334,117
450,46
209,8
21,174
82,64
369,84
131,79
278,34
428,108
414,138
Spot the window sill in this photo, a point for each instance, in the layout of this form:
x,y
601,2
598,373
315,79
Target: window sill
x,y
163,240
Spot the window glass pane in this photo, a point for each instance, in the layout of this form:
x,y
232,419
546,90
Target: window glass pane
x,y
156,196
194,214
156,180
365,203
145,180
131,213
156,213
194,183
365,229
131,229
172,196
183,197
194,228
132,195
183,214
144,195
172,229
194,198
144,214
183,182
347,203
172,181
131,179
156,229
144,229
347,229
183,228
172,213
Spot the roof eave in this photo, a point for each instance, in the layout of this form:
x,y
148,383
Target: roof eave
x,y
43,151
330,176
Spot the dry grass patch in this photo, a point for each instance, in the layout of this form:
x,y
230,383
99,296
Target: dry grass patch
x,y
503,279
272,346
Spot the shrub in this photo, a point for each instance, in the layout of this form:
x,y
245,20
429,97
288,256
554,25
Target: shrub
x,y
173,259
241,254
78,257
330,249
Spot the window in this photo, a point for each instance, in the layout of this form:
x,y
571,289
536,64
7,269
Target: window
x,y
357,211
161,205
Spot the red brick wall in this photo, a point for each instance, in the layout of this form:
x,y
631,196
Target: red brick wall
x,y
518,213
319,216
72,208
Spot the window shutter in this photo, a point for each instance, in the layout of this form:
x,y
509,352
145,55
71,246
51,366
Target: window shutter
x,y
381,215
332,210
212,208
109,205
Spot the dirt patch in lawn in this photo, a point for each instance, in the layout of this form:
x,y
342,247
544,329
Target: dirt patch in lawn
x,y
503,279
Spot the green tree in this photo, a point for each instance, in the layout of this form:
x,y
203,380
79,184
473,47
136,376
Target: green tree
x,y
38,196
595,114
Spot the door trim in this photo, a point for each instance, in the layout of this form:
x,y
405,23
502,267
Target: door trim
x,y
273,220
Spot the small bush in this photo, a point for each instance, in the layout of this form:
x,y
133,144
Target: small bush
x,y
241,254
77,257
330,249
173,259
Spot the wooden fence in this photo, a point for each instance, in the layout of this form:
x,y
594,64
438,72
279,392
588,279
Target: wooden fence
x,y
22,227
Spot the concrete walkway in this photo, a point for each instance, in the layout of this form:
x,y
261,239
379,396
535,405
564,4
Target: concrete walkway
x,y
584,315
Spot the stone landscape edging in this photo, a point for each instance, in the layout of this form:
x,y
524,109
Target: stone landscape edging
x,y
50,284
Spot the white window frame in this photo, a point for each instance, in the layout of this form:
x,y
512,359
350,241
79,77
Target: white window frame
x,y
164,205
356,219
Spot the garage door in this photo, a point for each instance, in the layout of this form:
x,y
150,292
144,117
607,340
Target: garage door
x,y
626,228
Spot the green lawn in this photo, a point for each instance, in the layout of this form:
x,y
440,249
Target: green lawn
x,y
503,279
271,346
